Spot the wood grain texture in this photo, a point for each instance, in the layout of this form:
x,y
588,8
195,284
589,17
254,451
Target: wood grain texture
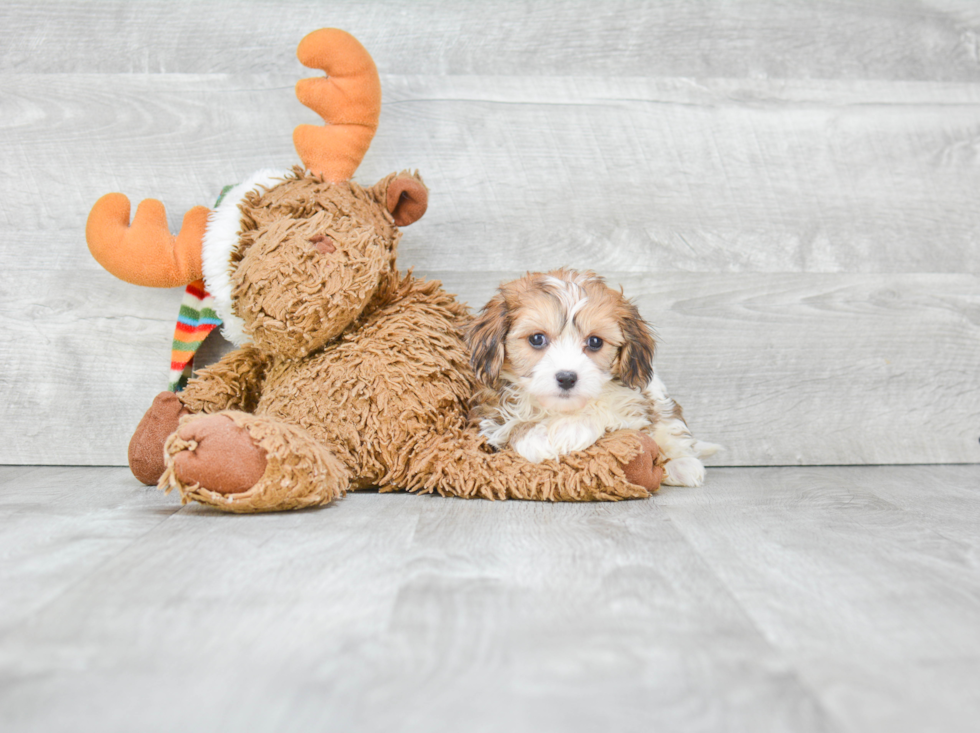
x,y
813,557
622,174
788,189
813,369
81,356
782,370
61,534
802,599
920,40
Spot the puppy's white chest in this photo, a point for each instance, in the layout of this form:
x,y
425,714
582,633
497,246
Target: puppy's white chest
x,y
617,408
539,435
557,436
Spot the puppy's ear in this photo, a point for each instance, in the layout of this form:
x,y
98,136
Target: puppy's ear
x,y
486,339
636,354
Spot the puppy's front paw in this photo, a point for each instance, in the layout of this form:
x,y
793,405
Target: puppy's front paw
x,y
687,471
534,444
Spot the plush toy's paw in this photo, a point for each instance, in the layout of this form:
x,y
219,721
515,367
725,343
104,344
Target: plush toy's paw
x,y
240,462
644,470
146,455
220,456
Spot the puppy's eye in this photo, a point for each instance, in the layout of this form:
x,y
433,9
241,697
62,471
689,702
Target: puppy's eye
x,y
594,343
537,340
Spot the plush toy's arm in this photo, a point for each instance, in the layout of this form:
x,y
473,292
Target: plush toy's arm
x,y
233,383
621,465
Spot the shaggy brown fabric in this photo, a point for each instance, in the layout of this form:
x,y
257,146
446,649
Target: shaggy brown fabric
x,y
305,473
234,383
359,376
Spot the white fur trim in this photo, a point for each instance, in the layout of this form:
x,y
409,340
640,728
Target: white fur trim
x,y
220,238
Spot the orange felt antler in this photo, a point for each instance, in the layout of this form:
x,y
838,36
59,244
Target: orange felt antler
x,y
348,99
145,253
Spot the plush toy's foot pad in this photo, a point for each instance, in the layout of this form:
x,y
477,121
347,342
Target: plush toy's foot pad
x,y
220,456
146,457
643,469
240,462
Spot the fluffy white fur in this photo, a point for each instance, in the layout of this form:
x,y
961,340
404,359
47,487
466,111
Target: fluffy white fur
x,y
565,354
220,239
557,432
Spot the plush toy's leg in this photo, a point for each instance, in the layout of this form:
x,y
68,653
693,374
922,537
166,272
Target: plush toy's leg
x,y
620,465
241,462
146,457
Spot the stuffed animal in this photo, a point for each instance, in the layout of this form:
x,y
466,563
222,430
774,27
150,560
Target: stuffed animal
x,y
349,374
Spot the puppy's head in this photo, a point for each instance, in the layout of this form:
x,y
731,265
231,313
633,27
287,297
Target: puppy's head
x,y
561,336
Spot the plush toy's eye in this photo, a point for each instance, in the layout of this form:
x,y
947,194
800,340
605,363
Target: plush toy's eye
x,y
537,340
324,244
594,343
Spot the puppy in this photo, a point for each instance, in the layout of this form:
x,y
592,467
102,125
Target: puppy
x,y
564,358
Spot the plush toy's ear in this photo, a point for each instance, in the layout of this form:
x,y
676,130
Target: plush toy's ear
x,y
406,198
636,354
486,339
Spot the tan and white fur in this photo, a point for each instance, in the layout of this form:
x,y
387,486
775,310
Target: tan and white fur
x,y
563,359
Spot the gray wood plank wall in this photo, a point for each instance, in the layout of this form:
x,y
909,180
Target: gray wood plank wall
x,y
788,190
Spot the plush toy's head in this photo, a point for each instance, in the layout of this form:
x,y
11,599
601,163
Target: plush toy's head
x,y
290,257
312,254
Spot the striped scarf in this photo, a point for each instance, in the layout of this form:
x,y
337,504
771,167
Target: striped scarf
x,y
195,321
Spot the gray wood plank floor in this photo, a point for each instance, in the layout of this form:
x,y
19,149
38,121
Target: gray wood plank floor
x,y
782,599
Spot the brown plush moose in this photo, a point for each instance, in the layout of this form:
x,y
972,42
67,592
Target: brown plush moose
x,y
349,374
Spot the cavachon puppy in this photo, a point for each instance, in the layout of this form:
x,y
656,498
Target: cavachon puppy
x,y
563,359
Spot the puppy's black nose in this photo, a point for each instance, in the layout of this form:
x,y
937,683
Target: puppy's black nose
x,y
566,380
